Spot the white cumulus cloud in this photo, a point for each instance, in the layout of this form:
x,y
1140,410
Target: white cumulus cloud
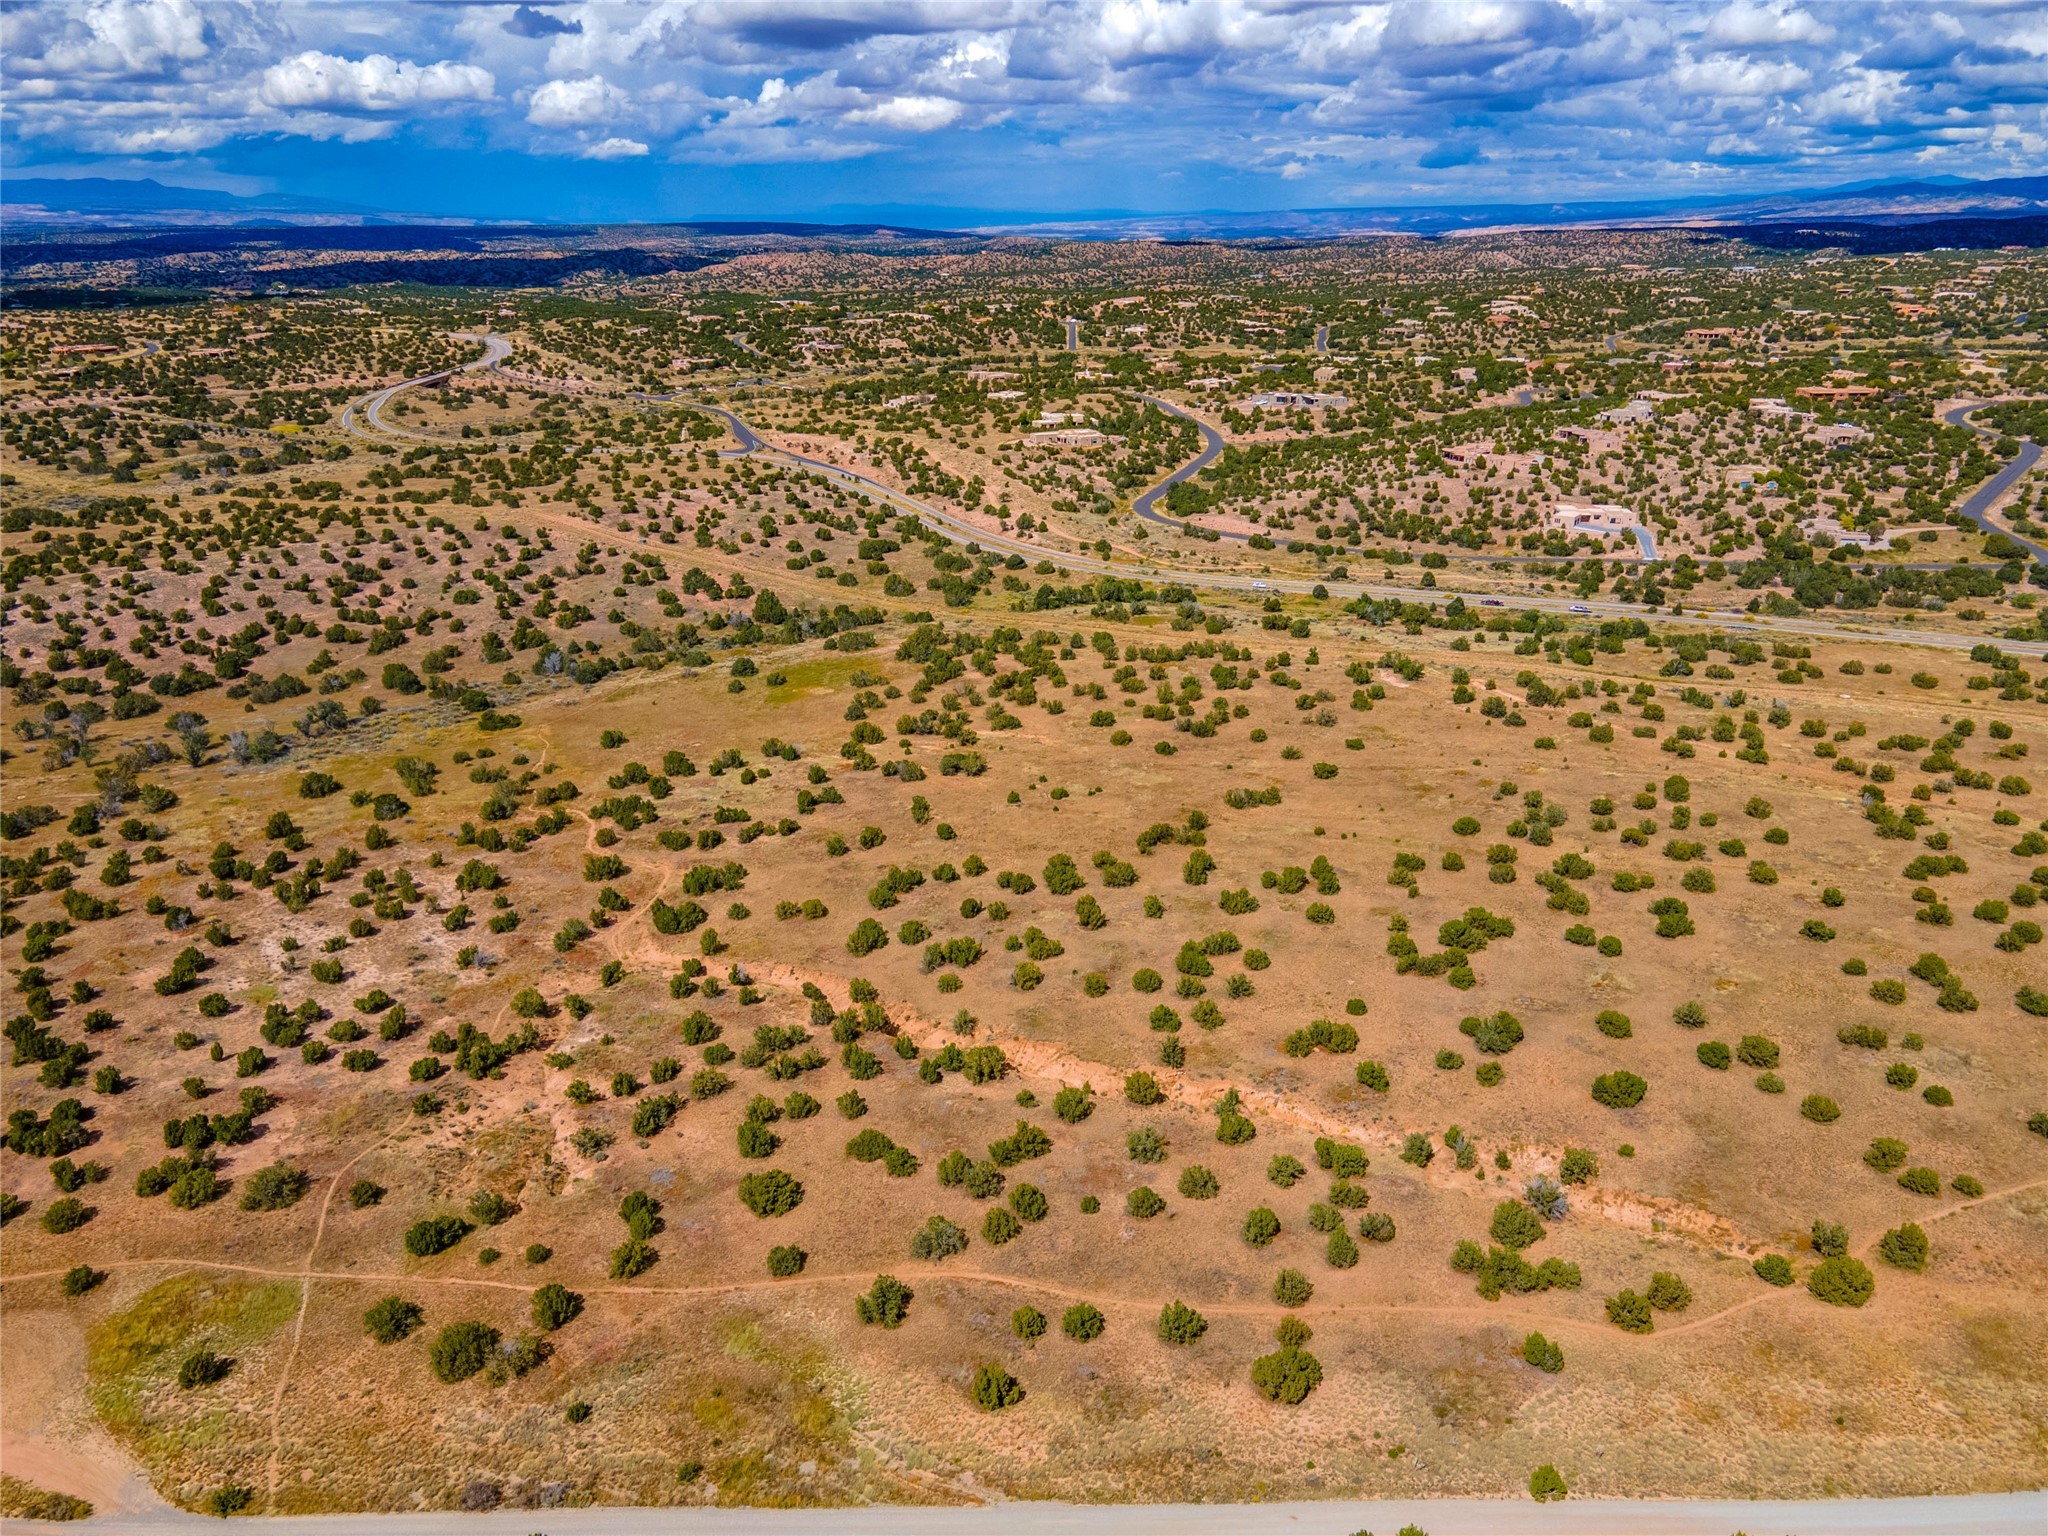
x,y
1047,101
1726,77
575,103
128,38
914,114
375,83
1747,25
166,138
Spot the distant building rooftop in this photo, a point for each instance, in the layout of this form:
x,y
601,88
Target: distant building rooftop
x,y
1592,516
1634,411
1071,437
1289,399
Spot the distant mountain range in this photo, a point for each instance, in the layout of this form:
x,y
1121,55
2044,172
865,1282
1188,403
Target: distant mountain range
x,y
97,202
100,200
1901,202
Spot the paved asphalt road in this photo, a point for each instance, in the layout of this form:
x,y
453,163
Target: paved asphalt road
x,y
1212,449
1733,622
2014,1514
1979,504
371,406
747,438
1322,338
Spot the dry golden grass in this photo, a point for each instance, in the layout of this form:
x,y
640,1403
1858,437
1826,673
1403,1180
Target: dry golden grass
x,y
706,1360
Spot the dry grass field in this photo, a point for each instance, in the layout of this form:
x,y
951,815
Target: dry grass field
x,y
703,1377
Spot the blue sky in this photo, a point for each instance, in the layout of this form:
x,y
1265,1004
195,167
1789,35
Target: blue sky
x,y
791,108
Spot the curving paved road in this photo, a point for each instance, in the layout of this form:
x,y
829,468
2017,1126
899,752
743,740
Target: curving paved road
x,y
1999,1514
371,406
1212,449
748,439
1978,507
1322,338
954,528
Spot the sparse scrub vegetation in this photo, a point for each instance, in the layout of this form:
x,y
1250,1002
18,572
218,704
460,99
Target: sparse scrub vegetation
x,y
371,780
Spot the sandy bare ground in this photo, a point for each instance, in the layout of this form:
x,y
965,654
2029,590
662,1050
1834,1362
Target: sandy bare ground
x,y
47,1435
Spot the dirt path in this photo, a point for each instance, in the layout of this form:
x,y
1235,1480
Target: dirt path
x,y
275,1463
942,1273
